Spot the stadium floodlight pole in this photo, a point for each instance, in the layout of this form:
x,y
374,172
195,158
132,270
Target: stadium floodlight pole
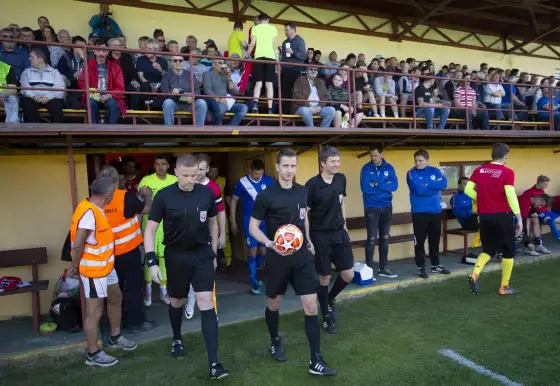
x,y
414,102
279,88
193,102
86,74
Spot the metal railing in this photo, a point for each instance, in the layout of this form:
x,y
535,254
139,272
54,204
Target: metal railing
x,y
351,81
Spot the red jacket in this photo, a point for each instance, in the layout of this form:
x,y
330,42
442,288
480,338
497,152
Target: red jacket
x,y
115,81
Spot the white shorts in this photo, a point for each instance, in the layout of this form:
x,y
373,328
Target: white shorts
x,y
95,288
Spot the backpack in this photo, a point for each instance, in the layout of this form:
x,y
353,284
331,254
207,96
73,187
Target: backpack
x,y
66,313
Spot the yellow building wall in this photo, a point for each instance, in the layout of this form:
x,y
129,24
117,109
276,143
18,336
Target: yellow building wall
x,y
36,212
136,22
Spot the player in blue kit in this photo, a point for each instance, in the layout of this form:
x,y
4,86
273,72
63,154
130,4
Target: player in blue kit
x,y
247,189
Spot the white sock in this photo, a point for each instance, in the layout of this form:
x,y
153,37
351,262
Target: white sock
x,y
148,288
163,290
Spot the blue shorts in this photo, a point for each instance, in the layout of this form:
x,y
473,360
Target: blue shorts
x,y
250,240
544,215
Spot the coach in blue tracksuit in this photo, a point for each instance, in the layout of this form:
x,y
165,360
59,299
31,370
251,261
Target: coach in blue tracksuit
x,y
426,183
378,181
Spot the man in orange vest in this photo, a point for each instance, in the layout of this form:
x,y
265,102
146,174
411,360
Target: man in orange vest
x,y
122,213
93,247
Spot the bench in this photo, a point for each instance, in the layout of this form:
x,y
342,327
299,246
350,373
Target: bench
x,y
446,216
354,223
25,257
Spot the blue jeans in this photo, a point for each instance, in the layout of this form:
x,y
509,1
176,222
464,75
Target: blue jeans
x,y
170,106
500,113
481,116
11,107
111,106
430,112
326,112
218,111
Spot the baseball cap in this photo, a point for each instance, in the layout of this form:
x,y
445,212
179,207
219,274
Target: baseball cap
x,y
235,56
93,35
209,41
379,56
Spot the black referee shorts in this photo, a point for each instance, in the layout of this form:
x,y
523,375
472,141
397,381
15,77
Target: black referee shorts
x,y
497,234
194,267
297,269
332,247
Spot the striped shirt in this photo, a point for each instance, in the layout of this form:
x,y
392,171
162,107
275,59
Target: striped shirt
x,y
466,96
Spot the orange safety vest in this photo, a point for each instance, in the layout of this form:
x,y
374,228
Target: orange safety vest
x,y
98,259
128,234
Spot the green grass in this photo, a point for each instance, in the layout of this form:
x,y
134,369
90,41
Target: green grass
x,y
384,339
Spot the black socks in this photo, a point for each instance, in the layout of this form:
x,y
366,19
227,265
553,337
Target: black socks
x,y
209,323
176,318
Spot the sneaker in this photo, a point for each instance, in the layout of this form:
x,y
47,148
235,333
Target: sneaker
x,y
255,290
381,116
146,326
122,342
255,110
329,326
101,359
147,299
542,249
277,351
531,252
259,283
333,313
217,371
422,273
440,269
473,283
177,349
386,273
508,291
320,368
165,299
189,307
376,116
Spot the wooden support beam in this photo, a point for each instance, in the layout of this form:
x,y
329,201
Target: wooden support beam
x,y
343,17
480,41
212,4
444,35
377,27
428,30
282,11
307,14
463,38
534,39
434,11
191,4
246,4
362,22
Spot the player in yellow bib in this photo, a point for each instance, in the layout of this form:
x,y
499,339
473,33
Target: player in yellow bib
x,y
157,181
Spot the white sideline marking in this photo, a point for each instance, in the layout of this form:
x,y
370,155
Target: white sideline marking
x,y
479,369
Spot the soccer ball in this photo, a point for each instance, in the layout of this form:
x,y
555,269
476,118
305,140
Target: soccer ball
x,y
288,239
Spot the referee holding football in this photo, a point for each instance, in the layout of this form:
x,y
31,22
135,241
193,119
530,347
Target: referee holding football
x,y
492,185
190,227
280,204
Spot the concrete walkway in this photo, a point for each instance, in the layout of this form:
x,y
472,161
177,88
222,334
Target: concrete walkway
x,y
235,305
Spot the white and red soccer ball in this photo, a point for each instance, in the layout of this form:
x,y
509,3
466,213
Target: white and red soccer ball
x,y
288,239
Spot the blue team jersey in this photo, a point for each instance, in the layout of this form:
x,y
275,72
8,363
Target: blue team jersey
x,y
247,189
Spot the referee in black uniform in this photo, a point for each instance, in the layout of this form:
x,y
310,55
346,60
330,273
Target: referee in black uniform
x,y
325,205
190,227
286,203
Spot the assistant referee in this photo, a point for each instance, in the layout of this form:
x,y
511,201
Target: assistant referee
x,y
492,185
190,235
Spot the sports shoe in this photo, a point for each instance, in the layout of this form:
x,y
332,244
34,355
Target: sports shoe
x,y
147,299
376,116
122,342
101,359
531,250
508,291
146,326
382,115
329,326
189,306
276,350
333,313
542,249
422,273
217,371
473,283
259,283
165,299
320,368
440,269
255,110
386,273
177,349
255,290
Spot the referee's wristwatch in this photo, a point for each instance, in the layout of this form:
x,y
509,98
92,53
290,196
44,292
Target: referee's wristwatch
x,y
151,259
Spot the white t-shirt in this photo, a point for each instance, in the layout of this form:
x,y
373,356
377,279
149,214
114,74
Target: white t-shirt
x,y
88,222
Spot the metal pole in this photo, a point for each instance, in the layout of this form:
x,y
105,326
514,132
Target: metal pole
x,y
512,110
352,75
413,102
86,74
279,88
191,74
467,116
551,107
350,103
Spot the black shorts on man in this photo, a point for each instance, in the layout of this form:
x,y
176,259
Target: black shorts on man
x,y
332,247
497,234
193,267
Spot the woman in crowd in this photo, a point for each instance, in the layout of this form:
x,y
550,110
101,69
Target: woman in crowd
x,y
56,52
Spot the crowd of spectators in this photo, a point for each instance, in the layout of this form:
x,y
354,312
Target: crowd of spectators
x,y
230,85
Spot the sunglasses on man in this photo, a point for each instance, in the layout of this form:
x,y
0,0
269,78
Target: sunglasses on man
x,y
178,60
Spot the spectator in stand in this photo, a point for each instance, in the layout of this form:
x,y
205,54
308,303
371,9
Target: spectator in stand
x,y
211,50
41,76
198,68
237,44
103,23
544,107
159,36
405,87
373,66
361,58
56,51
150,69
484,68
236,68
178,81
293,51
526,88
427,107
142,41
451,85
43,22
263,39
15,27
106,76
392,65
333,63
465,96
70,66
443,72
343,72
411,62
312,89
12,55
172,47
130,76
364,90
218,82
8,97
338,96
493,94
510,98
192,43
317,59
545,82
310,56
386,94
65,38
351,60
